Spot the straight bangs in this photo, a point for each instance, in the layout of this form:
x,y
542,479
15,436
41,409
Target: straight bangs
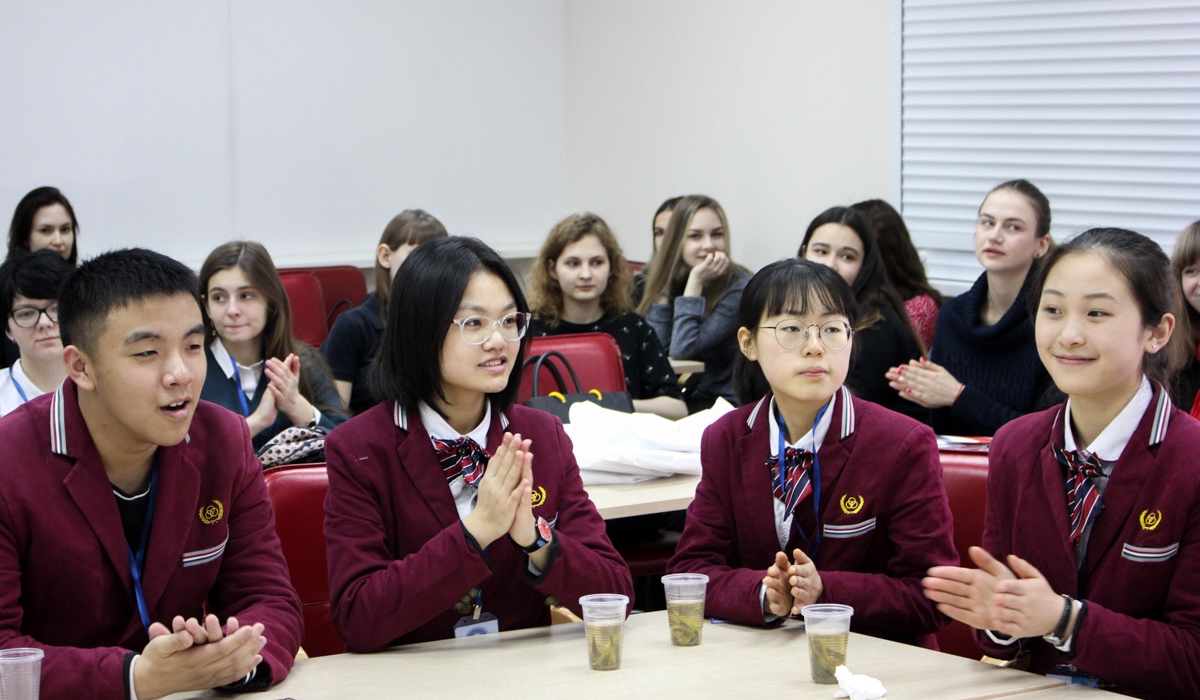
x,y
797,286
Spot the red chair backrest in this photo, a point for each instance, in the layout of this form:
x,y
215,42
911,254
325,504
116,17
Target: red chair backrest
x,y
635,266
595,357
308,314
343,287
964,475
297,496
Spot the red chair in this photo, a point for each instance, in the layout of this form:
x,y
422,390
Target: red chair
x,y
297,496
635,266
343,287
308,315
964,475
595,357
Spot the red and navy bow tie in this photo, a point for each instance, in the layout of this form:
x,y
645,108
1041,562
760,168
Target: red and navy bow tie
x,y
462,456
1083,497
797,482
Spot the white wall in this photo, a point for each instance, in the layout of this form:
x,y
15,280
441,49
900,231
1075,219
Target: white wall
x,y
777,108
306,125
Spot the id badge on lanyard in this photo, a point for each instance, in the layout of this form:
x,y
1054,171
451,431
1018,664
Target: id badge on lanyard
x,y
815,545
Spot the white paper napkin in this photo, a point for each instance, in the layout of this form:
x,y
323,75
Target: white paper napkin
x,y
857,687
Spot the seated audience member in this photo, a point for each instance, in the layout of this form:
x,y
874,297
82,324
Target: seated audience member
x,y
354,338
43,219
580,285
1090,564
256,367
29,287
658,227
692,294
903,265
445,497
983,369
1185,269
131,507
807,493
840,238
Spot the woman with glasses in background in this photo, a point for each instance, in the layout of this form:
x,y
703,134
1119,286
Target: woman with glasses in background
x,y
29,286
440,522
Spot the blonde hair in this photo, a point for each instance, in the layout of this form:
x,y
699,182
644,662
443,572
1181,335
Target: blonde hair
x,y
546,296
409,227
667,272
1186,252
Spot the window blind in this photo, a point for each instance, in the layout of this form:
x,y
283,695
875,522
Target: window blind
x,y
1097,102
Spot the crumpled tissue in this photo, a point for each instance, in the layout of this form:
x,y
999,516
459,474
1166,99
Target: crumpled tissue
x,y
857,687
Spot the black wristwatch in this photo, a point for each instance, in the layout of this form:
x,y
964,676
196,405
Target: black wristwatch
x,y
541,532
1059,635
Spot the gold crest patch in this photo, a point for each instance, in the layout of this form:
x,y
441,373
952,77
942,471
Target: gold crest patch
x,y
211,513
1150,519
851,504
538,497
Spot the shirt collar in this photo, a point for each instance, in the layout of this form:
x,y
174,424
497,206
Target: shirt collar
x,y
222,356
813,439
439,429
1111,441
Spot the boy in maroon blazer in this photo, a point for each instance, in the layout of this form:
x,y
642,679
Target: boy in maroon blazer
x,y
127,506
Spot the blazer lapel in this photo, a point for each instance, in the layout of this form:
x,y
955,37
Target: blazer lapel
x,y
757,497
176,512
1054,490
88,484
419,463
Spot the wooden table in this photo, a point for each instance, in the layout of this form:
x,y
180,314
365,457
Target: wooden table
x,y
686,366
644,497
732,661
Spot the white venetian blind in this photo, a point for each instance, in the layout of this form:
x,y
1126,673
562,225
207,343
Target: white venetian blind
x,y
1097,102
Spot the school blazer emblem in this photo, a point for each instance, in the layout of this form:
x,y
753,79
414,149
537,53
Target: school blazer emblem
x,y
212,512
1150,519
851,504
538,497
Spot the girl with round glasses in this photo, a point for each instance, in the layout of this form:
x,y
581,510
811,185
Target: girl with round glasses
x,y
29,286
839,237
808,494
256,367
446,499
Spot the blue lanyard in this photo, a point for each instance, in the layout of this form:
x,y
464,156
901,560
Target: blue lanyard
x,y
241,394
24,398
137,560
815,479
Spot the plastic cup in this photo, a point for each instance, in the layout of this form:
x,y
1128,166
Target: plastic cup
x,y
685,607
604,627
827,627
20,673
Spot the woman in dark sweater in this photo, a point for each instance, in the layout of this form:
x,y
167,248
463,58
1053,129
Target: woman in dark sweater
x,y
580,285
984,369
884,337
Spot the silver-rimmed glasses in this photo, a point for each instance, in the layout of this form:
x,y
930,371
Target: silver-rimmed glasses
x,y
477,329
27,316
791,334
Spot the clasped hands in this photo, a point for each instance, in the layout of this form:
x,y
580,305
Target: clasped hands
x,y
924,383
790,586
1015,599
504,501
196,656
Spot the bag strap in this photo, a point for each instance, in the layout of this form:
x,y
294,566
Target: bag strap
x,y
543,359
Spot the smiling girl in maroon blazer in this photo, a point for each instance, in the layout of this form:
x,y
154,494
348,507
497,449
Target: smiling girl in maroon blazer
x,y
446,501
859,522
1091,548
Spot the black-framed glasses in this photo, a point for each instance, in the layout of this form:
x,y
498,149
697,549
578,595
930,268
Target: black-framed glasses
x,y
791,334
28,316
476,330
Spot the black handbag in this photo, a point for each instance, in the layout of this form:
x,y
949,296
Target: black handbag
x,y
559,402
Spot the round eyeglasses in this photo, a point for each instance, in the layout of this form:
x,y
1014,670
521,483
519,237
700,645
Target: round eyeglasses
x,y
791,334
28,316
476,330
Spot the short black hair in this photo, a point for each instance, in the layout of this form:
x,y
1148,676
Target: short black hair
x,y
425,296
37,275
115,279
791,284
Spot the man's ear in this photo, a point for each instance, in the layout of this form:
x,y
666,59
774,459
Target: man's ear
x,y
79,367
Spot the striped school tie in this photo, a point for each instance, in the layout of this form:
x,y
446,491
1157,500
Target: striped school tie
x,y
1083,498
462,456
797,483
